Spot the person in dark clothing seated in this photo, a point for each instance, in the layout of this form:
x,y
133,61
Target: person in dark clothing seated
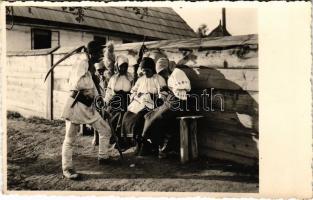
x,y
161,128
143,99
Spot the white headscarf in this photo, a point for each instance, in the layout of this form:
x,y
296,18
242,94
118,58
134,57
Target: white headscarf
x,y
79,69
179,83
161,64
120,60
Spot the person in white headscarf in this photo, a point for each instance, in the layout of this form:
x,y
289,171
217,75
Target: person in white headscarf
x,y
145,95
117,94
161,128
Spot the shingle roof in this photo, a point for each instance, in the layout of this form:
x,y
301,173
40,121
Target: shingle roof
x,y
219,31
160,22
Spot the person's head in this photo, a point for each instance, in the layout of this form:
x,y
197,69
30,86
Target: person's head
x,y
94,50
148,66
161,67
100,68
122,64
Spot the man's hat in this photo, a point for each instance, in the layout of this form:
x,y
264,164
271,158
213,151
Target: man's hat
x,y
93,47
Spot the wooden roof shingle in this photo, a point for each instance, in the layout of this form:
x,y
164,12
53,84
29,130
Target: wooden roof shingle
x,y
160,22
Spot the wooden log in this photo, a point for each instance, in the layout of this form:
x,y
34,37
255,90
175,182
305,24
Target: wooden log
x,y
227,141
184,152
230,121
206,59
228,79
222,42
224,52
228,156
230,101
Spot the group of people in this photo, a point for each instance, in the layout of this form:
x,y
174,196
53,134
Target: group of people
x,y
141,107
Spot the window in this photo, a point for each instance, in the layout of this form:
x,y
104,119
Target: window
x,y
127,41
41,39
100,40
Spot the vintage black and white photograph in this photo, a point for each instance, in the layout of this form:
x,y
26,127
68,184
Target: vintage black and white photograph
x,y
151,99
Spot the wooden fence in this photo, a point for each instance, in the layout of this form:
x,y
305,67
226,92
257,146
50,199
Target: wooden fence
x,y
26,91
225,68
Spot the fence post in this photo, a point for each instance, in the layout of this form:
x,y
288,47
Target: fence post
x,y
50,81
50,90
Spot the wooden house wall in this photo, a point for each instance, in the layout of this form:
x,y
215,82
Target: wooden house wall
x,y
26,91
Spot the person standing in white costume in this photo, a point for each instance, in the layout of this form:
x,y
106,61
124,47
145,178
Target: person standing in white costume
x,y
80,109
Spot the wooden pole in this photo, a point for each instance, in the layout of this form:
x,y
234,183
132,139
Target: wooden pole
x,y
193,138
184,153
50,91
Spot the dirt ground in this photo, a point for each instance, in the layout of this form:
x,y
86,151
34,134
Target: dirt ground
x,y
34,163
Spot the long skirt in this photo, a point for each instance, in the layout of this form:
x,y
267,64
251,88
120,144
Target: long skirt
x,y
161,124
132,127
117,108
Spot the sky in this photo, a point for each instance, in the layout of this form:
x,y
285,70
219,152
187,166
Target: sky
x,y
239,21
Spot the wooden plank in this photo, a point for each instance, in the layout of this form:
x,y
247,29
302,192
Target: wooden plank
x,y
28,75
27,95
207,59
184,132
231,101
35,52
26,83
28,64
26,112
224,52
228,79
231,121
61,84
229,142
221,155
69,61
242,40
62,71
59,100
36,107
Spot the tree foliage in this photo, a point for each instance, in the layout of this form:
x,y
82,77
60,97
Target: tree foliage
x,y
202,30
140,11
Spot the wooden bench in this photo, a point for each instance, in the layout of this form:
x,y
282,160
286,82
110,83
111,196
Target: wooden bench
x,y
188,138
